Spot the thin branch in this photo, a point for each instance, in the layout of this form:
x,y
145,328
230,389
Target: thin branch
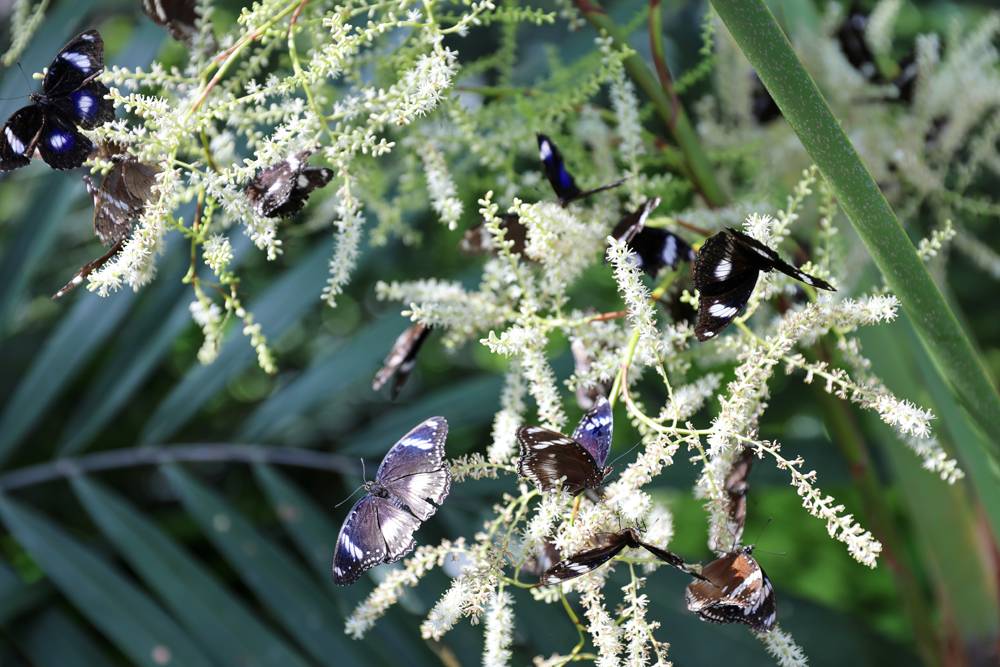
x,y
195,453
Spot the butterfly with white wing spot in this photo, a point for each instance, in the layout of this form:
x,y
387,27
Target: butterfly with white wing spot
x,y
551,460
71,98
654,248
281,190
411,483
725,272
604,547
734,589
177,16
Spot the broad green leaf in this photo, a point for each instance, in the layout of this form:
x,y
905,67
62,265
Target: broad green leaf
x,y
305,609
113,604
54,639
218,619
346,366
283,304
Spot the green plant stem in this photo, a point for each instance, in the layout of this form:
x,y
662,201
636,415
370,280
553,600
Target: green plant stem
x,y
210,452
847,435
667,106
764,44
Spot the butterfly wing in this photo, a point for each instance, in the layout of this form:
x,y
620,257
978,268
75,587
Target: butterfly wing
x,y
62,146
86,106
414,471
735,590
544,558
75,65
115,204
86,270
736,488
670,558
550,460
555,170
307,180
360,545
20,137
773,261
605,546
477,240
594,431
725,275
177,16
634,222
401,359
272,187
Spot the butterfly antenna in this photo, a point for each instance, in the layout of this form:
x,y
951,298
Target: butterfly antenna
x,y
27,82
363,475
348,497
625,452
761,531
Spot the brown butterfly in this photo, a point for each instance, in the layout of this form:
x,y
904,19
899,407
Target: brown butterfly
x,y
734,589
402,357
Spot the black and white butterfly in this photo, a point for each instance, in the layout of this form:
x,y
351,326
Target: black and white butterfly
x,y
654,248
725,273
411,483
604,547
734,589
71,98
177,16
282,189
477,240
402,357
562,182
551,460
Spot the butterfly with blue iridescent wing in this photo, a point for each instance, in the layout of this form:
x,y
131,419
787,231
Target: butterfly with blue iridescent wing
x,y
411,483
71,98
551,460
559,177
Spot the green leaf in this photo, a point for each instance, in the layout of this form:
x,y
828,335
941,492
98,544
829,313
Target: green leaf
x,y
18,596
293,596
125,614
219,620
74,646
344,367
281,306
768,50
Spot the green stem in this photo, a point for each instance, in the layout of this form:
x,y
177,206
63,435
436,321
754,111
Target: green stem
x,y
666,104
764,44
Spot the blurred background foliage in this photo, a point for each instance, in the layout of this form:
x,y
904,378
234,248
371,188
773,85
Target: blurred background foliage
x,y
228,563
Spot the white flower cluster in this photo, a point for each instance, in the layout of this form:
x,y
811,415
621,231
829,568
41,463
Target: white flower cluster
x,y
499,631
441,187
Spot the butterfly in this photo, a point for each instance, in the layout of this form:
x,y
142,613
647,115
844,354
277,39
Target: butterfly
x,y
543,558
654,248
551,460
71,98
734,589
411,483
762,105
177,16
401,359
282,189
587,393
604,547
477,240
725,273
851,35
118,200
736,488
559,178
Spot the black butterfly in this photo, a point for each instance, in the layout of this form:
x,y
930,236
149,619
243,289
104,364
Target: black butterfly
x,y
734,589
725,273
401,359
606,546
736,488
654,248
177,16
551,460
411,483
851,35
762,105
282,189
71,96
560,179
477,240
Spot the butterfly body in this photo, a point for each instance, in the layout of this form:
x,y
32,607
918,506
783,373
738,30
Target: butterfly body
x,y
604,547
551,460
654,248
734,589
725,273
71,98
411,483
